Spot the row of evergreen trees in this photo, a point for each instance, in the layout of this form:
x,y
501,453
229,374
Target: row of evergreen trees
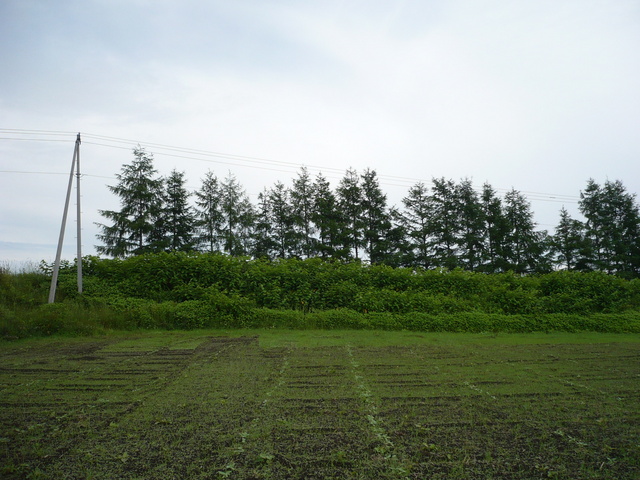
x,y
449,225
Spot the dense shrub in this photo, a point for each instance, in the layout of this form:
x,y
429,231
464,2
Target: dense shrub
x,y
315,285
208,290
578,292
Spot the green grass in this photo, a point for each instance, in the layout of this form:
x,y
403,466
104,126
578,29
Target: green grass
x,y
276,404
316,338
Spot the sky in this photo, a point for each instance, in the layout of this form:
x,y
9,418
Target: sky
x,y
536,95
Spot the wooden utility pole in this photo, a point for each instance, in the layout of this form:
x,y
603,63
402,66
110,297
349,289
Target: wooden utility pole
x,y
78,216
56,266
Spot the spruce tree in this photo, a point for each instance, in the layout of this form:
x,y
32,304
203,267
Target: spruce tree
x,y
524,246
282,222
237,218
569,244
398,249
326,218
415,220
209,214
349,194
496,228
472,236
141,199
375,219
264,245
302,195
612,227
178,214
445,223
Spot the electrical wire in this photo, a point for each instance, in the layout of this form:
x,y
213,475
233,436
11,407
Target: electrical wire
x,y
410,181
19,131
34,139
38,173
239,160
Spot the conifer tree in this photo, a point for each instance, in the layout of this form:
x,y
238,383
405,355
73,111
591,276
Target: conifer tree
x,y
497,228
178,214
415,220
237,218
301,195
264,244
472,236
209,214
281,221
326,218
445,223
141,198
375,219
398,250
524,246
349,194
612,227
569,244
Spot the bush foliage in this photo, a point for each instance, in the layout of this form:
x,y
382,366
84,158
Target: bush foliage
x,y
187,291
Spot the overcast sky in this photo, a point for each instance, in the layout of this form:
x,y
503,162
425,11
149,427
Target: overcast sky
x,y
536,95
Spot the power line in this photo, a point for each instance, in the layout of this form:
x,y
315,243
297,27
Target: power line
x,y
533,195
249,161
174,155
18,131
34,139
37,173
56,173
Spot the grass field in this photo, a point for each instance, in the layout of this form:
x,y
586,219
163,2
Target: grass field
x,y
321,404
